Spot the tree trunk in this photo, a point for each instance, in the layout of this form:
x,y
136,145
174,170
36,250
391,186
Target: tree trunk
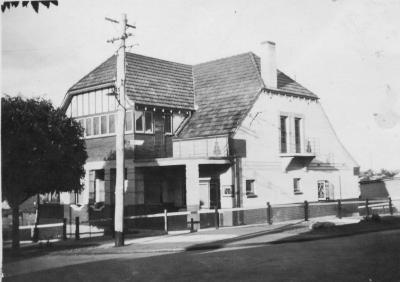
x,y
15,227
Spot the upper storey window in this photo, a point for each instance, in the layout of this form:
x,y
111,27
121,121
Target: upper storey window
x,y
283,134
297,134
291,133
94,102
168,123
143,122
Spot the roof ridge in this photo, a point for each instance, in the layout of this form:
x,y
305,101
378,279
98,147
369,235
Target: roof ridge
x,y
253,60
224,58
157,59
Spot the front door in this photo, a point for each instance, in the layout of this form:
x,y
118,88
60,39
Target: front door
x,y
215,197
205,193
324,190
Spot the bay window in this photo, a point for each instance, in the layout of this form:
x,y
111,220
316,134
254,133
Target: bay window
x,y
111,123
96,125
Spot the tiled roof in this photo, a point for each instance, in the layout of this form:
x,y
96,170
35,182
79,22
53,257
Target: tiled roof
x,y
286,84
102,74
149,81
223,90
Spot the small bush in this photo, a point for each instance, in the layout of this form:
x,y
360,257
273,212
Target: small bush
x,y
374,218
322,225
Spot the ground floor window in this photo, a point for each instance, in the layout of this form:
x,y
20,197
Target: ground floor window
x,y
250,191
78,198
96,186
296,186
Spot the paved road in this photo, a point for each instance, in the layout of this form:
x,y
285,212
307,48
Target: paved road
x,y
260,257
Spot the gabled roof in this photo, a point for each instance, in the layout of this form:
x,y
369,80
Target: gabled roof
x,y
221,92
149,81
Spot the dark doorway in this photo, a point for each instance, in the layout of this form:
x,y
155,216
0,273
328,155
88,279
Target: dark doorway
x,y
215,195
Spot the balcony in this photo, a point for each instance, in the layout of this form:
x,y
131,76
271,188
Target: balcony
x,y
216,147
305,149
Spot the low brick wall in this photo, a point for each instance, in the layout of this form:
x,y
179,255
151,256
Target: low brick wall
x,y
177,222
154,223
255,216
285,213
207,220
317,210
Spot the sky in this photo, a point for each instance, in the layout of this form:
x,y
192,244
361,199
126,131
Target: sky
x,y
347,52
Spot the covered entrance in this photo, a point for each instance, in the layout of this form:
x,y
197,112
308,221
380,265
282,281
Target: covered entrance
x,y
210,193
164,187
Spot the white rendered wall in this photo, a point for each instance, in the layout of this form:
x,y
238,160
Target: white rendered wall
x,y
225,180
263,163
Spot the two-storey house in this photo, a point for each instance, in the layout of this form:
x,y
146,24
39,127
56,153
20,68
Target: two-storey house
x,y
234,132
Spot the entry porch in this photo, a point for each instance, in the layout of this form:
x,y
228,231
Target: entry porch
x,y
155,185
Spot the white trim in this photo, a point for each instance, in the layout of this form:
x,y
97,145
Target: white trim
x,y
41,225
155,162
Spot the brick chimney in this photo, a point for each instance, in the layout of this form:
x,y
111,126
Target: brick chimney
x,y
268,64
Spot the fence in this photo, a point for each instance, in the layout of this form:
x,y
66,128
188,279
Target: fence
x,y
171,221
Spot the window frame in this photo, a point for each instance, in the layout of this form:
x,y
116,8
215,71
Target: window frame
x,y
170,132
297,186
284,133
129,113
134,119
143,122
250,193
151,131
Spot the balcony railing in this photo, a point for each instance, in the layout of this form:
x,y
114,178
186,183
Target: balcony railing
x,y
207,147
307,148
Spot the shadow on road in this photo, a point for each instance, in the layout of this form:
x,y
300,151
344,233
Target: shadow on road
x,y
336,231
363,227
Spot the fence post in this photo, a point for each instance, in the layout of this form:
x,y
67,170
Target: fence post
x,y
191,225
366,207
305,210
35,237
112,227
64,231
77,228
339,208
166,220
390,206
216,218
269,213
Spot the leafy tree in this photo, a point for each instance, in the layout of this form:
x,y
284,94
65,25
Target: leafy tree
x,y
383,173
42,151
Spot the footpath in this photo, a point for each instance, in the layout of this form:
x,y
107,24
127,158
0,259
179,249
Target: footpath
x,y
148,241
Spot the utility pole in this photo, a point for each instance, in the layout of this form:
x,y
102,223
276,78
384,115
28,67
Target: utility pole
x,y
120,132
